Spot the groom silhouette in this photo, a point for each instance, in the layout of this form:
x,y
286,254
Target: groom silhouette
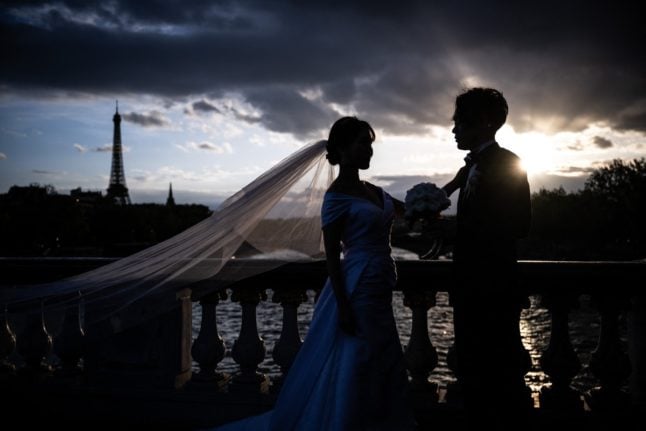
x,y
493,212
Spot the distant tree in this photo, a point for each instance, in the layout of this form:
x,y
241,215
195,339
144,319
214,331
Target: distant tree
x,y
619,181
619,190
37,221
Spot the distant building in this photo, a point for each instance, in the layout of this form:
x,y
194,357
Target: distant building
x,y
86,197
170,201
117,191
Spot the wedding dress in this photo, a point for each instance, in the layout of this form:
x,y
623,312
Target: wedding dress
x,y
337,381
277,214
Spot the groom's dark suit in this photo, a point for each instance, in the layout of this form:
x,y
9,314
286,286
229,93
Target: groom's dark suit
x,y
493,213
493,208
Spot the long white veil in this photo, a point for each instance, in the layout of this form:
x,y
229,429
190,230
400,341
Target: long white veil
x,y
277,214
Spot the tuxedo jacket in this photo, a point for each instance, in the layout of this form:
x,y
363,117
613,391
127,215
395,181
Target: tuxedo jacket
x,y
494,209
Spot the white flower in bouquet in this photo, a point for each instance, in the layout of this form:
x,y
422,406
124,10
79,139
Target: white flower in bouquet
x,y
425,200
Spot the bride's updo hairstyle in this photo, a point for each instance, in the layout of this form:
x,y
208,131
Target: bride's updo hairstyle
x,y
343,133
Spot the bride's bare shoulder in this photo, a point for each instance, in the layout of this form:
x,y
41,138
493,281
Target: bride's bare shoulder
x,y
373,187
336,186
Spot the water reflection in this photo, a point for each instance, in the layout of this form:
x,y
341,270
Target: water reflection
x,y
535,331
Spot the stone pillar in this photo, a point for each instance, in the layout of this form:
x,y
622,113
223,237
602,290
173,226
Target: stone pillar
x,y
420,354
559,361
249,349
70,344
637,350
609,363
34,345
7,345
290,341
209,349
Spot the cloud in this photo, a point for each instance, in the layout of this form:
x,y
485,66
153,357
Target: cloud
x,y
570,183
283,109
574,171
202,106
602,142
151,119
3,156
103,149
45,172
225,148
577,146
80,148
560,65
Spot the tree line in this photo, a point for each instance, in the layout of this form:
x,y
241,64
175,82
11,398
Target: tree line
x,y
38,221
606,220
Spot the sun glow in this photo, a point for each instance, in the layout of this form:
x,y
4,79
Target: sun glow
x,y
537,151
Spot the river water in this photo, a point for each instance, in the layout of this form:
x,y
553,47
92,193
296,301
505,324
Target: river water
x,y
535,330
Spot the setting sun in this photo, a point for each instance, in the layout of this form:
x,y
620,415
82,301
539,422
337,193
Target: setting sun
x,y
536,150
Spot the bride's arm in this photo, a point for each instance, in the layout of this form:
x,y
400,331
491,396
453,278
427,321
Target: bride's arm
x,y
457,181
332,242
400,207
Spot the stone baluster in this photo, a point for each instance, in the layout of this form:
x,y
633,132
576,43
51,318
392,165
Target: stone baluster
x,y
609,363
637,349
290,340
249,349
209,349
454,393
70,344
7,345
559,361
34,345
420,354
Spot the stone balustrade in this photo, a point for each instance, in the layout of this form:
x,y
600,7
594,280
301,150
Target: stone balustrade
x,y
618,361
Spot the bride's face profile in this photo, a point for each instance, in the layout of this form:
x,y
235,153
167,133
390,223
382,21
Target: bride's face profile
x,y
359,152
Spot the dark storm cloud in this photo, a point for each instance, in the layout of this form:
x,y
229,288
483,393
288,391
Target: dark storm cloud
x,y
577,146
103,149
152,119
561,65
278,107
204,106
602,142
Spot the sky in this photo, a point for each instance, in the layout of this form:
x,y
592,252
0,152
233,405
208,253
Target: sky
x,y
213,93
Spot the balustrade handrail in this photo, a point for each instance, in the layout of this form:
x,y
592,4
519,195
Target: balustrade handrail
x,y
534,276
560,282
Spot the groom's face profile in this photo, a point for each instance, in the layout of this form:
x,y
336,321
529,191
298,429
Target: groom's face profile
x,y
469,132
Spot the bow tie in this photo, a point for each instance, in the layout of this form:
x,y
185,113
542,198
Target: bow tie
x,y
471,159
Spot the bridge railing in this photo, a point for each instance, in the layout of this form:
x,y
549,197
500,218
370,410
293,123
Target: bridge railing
x,y
162,352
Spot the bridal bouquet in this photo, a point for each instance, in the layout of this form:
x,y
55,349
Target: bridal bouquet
x,y
424,201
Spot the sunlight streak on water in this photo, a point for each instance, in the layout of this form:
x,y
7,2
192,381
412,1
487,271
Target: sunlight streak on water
x,y
535,332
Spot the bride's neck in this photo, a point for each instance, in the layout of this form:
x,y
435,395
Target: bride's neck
x,y
348,174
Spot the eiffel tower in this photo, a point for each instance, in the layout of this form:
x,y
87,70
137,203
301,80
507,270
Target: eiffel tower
x,y
117,191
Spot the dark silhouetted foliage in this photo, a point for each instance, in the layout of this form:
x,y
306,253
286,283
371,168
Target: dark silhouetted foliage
x,y
605,221
37,221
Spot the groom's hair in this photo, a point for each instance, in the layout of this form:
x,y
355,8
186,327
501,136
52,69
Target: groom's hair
x,y
343,132
476,104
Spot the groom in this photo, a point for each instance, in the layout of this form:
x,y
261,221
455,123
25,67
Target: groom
x,y
493,212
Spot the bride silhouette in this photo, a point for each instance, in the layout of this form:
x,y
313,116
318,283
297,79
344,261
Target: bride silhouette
x,y
349,373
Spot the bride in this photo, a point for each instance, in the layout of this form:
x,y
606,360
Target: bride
x,y
349,373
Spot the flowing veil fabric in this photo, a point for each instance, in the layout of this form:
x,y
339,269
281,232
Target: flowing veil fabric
x,y
277,214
